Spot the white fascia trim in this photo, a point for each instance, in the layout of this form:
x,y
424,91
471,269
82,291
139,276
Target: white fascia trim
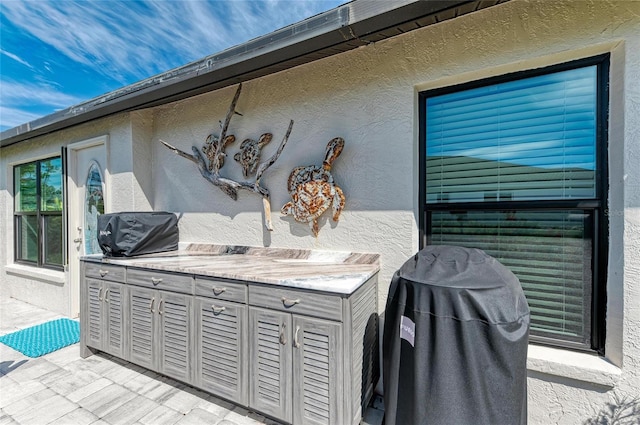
x,y
573,365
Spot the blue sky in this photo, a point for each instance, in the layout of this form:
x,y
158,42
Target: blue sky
x,y
55,54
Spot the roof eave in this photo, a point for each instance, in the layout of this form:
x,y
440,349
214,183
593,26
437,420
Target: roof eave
x,y
344,28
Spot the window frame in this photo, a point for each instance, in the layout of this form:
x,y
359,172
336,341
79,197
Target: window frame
x,y
41,217
598,205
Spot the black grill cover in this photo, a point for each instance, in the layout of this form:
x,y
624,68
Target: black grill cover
x,y
455,341
127,234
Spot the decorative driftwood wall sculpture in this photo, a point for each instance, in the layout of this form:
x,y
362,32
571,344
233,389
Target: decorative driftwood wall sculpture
x,y
313,190
213,152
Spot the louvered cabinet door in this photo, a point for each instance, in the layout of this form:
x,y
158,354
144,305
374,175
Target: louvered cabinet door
x,y
143,304
174,313
95,322
270,379
114,319
221,349
318,391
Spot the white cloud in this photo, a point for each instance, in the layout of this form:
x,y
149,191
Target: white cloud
x,y
19,99
16,58
27,94
12,117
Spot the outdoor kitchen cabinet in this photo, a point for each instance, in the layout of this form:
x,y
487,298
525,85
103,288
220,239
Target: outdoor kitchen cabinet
x,y
221,335
295,367
297,354
104,303
302,355
161,322
270,389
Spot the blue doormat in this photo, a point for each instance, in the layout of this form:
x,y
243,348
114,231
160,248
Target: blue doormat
x,y
45,338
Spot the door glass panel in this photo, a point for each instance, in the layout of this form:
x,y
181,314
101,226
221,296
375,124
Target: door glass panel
x,y
93,207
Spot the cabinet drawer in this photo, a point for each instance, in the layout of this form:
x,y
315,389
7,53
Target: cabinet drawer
x,y
160,280
296,301
228,291
104,271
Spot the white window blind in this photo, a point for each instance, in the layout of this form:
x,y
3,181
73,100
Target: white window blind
x,y
529,139
549,252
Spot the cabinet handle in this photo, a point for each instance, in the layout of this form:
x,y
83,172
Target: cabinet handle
x,y
156,280
153,300
296,343
103,273
106,295
218,291
289,302
283,337
160,305
218,310
100,295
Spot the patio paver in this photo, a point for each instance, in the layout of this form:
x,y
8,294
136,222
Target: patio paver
x,y
60,388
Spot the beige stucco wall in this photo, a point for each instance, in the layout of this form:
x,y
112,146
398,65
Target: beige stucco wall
x,y
369,97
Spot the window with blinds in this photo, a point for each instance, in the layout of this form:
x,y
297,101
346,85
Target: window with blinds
x,y
529,139
511,166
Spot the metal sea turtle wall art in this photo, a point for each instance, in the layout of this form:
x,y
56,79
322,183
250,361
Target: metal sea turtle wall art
x,y
210,149
249,154
313,189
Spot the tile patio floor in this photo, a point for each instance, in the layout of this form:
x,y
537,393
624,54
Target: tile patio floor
x,y
63,389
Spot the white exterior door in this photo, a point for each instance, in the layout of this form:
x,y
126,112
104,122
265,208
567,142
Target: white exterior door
x,y
87,189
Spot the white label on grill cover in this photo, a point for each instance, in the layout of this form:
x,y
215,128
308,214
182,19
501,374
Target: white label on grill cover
x,y
407,330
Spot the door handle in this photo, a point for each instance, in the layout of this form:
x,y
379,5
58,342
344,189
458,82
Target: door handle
x,y
218,310
79,239
287,302
296,343
283,337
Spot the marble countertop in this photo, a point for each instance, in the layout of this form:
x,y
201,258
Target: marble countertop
x,y
329,271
